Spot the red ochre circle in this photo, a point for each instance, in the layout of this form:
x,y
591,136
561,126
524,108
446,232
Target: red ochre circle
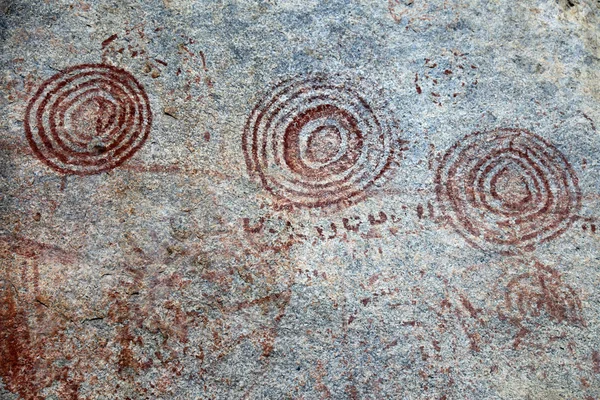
x,y
507,189
88,119
314,140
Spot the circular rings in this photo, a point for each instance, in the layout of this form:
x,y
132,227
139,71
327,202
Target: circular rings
x,y
88,119
314,141
507,189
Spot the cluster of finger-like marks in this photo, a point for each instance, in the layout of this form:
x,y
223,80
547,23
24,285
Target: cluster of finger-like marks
x,y
315,141
507,189
538,291
88,119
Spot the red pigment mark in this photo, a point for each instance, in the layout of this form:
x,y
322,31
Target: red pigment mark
x,y
318,376
591,121
15,347
152,168
109,40
324,137
320,231
182,46
88,119
29,248
26,365
596,361
382,218
467,304
519,337
393,343
507,189
206,136
352,392
584,382
430,210
203,58
420,211
161,62
419,90
126,355
273,298
256,228
15,147
350,227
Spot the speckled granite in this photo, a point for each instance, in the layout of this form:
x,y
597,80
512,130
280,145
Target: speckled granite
x,y
299,199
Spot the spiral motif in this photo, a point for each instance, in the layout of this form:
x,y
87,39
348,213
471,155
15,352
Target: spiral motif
x,y
315,141
507,189
88,119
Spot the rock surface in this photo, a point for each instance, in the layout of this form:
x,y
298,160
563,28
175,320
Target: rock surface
x,y
300,199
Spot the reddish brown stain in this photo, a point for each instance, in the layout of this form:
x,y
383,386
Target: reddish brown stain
x,y
332,235
352,392
109,40
126,356
256,228
596,361
377,221
203,58
349,226
6,145
431,210
17,354
29,248
417,87
519,336
467,304
72,125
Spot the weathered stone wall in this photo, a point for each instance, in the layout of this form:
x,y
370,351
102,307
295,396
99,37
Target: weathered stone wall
x,y
299,199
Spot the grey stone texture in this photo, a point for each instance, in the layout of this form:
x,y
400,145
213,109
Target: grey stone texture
x,y
225,259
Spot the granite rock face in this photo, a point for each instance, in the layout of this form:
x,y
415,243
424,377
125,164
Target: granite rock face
x,y
300,199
